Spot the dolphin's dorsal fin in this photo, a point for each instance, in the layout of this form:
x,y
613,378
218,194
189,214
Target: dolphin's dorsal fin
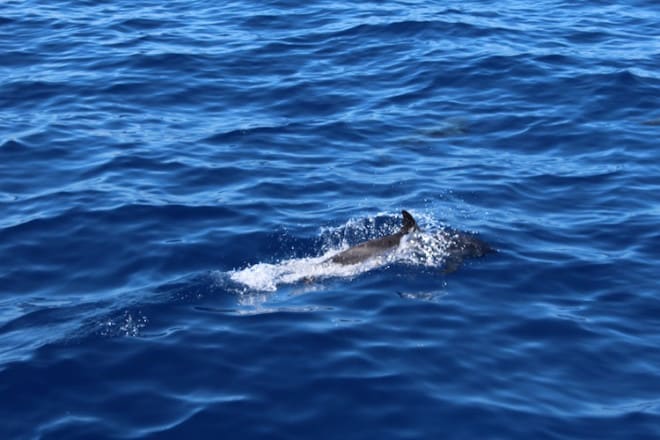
x,y
409,223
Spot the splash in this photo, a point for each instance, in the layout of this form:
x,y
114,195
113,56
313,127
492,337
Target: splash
x,y
125,324
266,276
421,249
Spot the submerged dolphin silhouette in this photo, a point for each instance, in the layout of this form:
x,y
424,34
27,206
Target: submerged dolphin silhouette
x,y
462,246
378,246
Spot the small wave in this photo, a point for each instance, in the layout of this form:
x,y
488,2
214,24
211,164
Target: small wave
x,y
12,146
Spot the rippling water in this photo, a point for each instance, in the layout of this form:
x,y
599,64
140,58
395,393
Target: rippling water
x,y
174,174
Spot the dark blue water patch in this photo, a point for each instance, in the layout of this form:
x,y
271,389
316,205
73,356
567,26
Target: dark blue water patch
x,y
20,58
33,92
36,253
143,24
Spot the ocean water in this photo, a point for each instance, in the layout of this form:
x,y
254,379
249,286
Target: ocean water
x,y
174,176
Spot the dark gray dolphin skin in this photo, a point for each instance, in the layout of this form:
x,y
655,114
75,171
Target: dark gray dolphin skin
x,y
378,246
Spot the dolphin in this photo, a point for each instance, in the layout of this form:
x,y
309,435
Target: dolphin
x,y
378,246
460,246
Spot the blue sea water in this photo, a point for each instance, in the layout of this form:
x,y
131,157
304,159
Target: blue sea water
x,y
173,175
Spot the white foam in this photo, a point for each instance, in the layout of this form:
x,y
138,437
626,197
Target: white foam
x,y
266,276
418,249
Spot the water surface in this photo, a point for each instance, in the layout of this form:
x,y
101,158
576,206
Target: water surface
x,y
172,174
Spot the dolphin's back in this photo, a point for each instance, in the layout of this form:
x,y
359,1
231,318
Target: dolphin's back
x,y
372,248
459,246
367,249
